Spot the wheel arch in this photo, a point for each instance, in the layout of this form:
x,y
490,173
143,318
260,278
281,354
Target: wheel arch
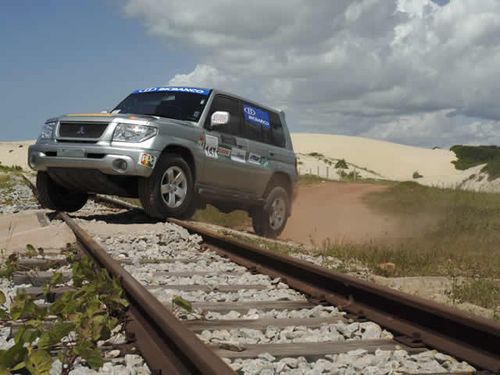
x,y
185,153
284,180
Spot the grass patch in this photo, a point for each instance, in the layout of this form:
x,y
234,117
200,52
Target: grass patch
x,y
471,156
10,169
481,292
463,242
211,215
5,181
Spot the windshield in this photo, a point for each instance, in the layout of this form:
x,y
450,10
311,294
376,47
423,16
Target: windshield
x,y
176,105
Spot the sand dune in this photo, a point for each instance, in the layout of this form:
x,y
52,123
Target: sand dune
x,y
385,160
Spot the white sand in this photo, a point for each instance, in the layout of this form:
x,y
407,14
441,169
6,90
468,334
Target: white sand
x,y
384,160
15,153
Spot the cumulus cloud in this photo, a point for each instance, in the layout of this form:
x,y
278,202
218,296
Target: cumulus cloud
x,y
415,71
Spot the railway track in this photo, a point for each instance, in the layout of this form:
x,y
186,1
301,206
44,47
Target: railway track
x,y
202,302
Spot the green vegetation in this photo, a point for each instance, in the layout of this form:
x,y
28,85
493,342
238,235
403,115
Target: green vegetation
x,y
341,164
5,181
481,292
471,156
210,214
91,313
316,155
7,169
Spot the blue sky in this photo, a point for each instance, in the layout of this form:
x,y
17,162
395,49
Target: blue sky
x,y
73,56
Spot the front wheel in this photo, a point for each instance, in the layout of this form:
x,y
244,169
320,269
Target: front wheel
x,y
270,219
55,197
169,191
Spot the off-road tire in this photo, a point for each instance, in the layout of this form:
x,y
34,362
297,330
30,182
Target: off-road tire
x,y
55,197
150,190
261,216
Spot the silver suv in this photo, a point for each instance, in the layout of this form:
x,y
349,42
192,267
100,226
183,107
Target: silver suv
x,y
176,149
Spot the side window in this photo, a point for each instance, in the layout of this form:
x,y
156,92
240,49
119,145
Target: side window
x,y
277,134
224,103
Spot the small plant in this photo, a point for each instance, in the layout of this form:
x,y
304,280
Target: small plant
x,y
31,251
178,301
8,268
316,155
417,175
341,164
83,317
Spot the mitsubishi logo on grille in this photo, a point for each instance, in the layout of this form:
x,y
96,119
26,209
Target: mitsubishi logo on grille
x,y
81,131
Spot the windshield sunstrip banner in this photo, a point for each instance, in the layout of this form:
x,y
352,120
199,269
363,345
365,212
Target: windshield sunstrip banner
x,y
191,90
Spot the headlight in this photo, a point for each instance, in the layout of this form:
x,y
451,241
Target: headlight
x,y
48,130
133,133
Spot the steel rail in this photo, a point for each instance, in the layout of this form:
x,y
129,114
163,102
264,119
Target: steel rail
x,y
414,321
165,343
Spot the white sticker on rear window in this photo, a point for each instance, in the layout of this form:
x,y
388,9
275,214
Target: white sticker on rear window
x,y
211,145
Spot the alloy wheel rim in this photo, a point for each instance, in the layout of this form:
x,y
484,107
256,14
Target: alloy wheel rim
x,y
173,187
277,214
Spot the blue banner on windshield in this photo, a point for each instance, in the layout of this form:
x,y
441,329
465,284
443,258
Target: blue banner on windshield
x,y
256,116
192,90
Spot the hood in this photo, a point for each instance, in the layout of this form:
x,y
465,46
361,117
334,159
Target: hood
x,y
103,117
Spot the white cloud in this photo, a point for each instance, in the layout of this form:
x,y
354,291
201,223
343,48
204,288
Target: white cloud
x,y
404,70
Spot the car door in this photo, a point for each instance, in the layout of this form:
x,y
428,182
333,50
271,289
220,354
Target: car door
x,y
255,121
226,151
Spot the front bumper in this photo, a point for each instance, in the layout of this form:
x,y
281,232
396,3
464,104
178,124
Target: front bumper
x,y
106,159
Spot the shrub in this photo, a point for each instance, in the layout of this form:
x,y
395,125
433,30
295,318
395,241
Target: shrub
x,y
471,156
417,175
341,164
316,155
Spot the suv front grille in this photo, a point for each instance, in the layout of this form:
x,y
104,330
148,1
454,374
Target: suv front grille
x,y
92,130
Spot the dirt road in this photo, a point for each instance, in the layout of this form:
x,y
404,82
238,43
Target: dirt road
x,y
336,212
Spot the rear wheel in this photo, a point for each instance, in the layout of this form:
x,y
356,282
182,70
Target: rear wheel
x,y
55,197
169,191
270,219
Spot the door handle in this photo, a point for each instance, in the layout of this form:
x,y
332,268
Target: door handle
x,y
239,146
271,153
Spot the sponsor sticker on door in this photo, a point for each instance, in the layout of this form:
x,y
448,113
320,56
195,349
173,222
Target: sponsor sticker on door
x,y
211,146
224,151
238,155
254,158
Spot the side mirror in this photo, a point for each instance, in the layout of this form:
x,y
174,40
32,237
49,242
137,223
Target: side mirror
x,y
219,118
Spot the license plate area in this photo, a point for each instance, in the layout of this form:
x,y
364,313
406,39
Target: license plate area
x,y
71,153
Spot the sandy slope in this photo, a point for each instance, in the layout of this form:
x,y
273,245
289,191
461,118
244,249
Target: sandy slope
x,y
383,159
15,153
